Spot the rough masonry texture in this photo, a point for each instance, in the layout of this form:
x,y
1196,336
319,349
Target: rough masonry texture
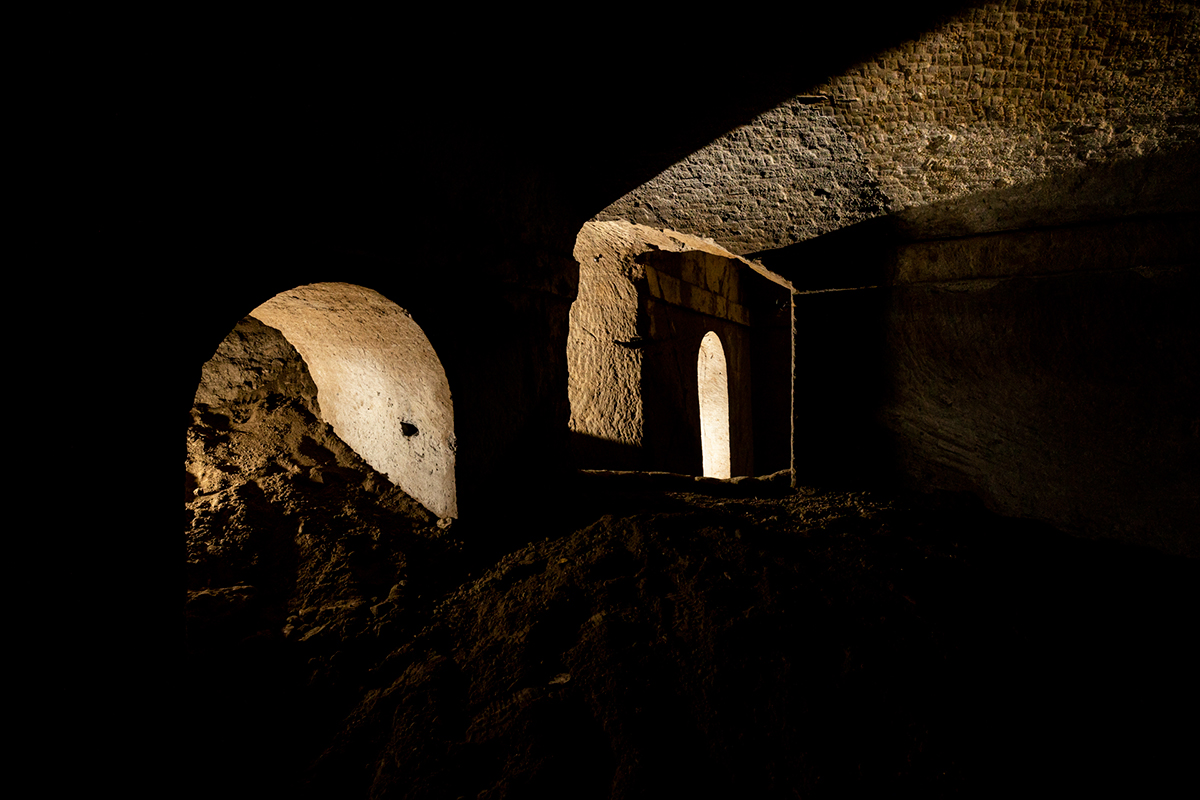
x,y
791,174
1003,94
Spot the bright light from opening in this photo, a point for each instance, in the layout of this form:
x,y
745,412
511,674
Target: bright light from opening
x,y
714,407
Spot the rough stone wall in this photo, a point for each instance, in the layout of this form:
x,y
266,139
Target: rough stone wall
x,y
790,174
253,361
604,364
1054,373
706,283
839,367
1008,93
1004,95
253,372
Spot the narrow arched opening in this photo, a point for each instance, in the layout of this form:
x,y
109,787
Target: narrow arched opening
x,y
713,383
380,384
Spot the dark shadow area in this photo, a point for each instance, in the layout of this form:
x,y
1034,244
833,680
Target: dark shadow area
x,y
1067,398
852,257
840,385
818,642
1047,369
1161,186
319,145
625,628
1163,183
594,452
772,382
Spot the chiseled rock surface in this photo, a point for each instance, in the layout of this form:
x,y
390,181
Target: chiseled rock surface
x,y
790,174
253,361
604,362
999,97
1052,372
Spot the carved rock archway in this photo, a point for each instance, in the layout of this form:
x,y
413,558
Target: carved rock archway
x,y
380,384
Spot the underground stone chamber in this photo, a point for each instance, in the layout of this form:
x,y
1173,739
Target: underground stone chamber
x,y
994,230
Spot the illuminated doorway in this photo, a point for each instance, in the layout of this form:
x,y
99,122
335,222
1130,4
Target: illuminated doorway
x,y
714,407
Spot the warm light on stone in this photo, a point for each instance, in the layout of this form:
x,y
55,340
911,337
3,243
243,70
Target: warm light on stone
x,y
380,383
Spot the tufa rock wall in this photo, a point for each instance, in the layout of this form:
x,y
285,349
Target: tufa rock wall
x,y
1002,95
1054,373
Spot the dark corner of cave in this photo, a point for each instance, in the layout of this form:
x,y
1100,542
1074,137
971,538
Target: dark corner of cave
x,y
823,430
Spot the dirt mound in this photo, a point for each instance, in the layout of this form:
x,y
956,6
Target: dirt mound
x,y
653,637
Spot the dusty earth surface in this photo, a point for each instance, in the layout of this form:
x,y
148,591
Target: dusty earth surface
x,y
648,635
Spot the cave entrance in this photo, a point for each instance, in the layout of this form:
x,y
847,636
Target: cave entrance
x,y
713,383
380,384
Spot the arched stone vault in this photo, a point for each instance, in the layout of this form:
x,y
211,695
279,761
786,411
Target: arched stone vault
x,y
380,384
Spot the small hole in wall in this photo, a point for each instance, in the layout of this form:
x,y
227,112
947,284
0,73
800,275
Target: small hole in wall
x,y
408,429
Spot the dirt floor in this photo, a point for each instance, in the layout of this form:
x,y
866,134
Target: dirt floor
x,y
655,636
